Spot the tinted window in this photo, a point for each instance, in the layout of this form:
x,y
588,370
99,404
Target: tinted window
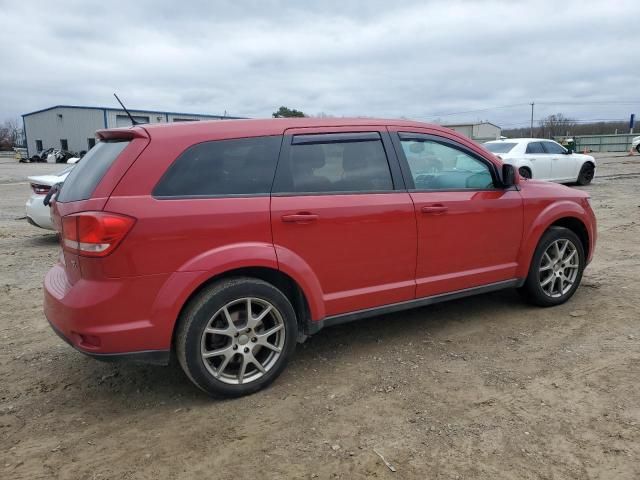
x,y
499,147
335,166
84,179
535,147
553,147
227,167
436,166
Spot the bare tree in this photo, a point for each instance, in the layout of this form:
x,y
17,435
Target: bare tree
x,y
556,125
10,134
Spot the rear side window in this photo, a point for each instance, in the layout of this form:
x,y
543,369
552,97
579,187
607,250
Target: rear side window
x,y
535,147
84,178
552,147
335,163
244,166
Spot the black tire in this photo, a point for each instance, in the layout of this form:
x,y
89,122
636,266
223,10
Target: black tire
x,y
532,289
190,337
525,172
638,148
587,172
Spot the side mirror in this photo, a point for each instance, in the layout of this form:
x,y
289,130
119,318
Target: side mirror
x,y
569,151
508,175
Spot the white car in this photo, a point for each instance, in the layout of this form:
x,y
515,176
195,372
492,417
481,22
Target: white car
x,y
544,160
38,213
635,143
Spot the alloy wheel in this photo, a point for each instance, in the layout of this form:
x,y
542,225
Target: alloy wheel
x,y
243,340
559,267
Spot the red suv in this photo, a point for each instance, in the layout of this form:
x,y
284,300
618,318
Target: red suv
x,y
227,242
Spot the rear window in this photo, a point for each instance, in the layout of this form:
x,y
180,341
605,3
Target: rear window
x,y
244,166
86,175
535,147
499,147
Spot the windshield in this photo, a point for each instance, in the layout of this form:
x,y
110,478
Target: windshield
x,y
499,147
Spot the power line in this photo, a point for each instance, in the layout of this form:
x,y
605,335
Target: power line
x,y
595,102
478,110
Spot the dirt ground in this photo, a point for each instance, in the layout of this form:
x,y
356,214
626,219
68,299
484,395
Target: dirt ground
x,y
480,388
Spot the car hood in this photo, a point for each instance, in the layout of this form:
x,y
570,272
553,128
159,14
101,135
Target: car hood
x,y
49,180
552,189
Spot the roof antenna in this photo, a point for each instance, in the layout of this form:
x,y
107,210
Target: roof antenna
x,y
133,122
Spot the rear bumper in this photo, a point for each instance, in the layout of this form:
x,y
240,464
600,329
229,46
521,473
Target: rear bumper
x,y
153,357
37,213
108,319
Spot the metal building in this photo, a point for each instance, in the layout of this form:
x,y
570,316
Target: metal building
x,y
479,132
71,127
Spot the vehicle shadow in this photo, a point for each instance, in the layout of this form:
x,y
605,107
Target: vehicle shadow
x,y
44,240
120,384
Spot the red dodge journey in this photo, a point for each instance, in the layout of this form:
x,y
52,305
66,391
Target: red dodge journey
x,y
228,242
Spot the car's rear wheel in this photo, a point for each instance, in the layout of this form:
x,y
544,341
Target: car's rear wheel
x,y
587,172
556,268
525,172
236,336
638,148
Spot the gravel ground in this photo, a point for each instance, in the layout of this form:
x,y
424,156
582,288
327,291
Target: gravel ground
x,y
479,388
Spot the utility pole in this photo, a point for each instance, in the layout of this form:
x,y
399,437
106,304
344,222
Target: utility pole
x,y
532,104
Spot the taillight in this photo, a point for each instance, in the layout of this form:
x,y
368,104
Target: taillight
x,y
94,234
40,189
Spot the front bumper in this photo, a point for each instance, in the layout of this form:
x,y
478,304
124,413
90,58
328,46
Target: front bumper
x,y
107,319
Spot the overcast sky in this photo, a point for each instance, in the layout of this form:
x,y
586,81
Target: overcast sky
x,y
417,59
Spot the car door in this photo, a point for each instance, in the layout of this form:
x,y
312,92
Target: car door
x,y
563,166
540,161
469,228
339,209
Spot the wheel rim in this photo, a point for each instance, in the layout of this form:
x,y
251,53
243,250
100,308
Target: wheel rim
x,y
525,173
243,340
588,173
559,267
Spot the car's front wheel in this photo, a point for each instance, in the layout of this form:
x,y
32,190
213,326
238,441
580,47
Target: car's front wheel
x,y
587,172
556,268
236,336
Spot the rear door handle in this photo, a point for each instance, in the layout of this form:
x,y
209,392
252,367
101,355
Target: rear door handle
x,y
300,218
434,209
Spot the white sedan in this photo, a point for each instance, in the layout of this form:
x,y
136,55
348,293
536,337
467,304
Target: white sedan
x,y
38,213
544,160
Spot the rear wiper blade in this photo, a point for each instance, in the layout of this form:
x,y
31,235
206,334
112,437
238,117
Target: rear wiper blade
x,y
48,200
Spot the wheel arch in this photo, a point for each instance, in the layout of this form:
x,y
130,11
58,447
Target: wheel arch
x,y
526,167
287,285
562,214
578,227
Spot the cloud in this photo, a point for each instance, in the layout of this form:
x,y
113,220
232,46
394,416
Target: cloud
x,y
389,59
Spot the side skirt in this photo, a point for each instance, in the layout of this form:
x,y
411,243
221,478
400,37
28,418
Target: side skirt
x,y
315,327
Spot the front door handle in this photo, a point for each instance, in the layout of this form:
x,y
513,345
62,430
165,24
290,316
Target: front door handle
x,y
434,209
300,217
